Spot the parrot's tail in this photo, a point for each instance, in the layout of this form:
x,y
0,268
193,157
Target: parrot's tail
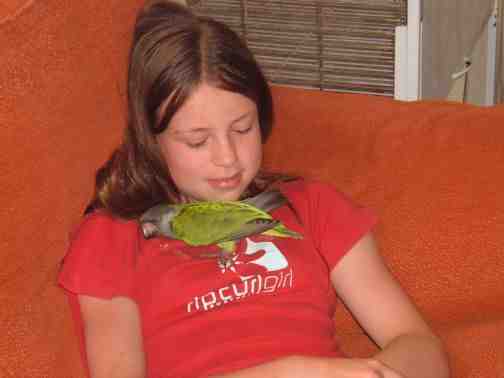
x,y
283,232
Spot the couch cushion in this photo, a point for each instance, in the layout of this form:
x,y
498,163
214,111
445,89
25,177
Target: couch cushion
x,y
61,105
474,347
433,173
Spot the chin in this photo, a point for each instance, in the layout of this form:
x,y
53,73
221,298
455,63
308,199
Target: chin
x,y
202,197
231,195
210,193
226,197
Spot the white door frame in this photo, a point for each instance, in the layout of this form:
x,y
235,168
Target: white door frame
x,y
491,70
408,60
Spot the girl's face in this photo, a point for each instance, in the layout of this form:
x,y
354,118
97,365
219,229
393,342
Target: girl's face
x,y
212,145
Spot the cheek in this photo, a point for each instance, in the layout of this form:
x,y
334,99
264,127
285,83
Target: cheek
x,y
257,155
179,160
255,150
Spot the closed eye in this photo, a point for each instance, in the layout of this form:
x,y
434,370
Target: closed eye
x,y
196,144
244,130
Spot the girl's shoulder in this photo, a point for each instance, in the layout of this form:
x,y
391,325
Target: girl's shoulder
x,y
317,201
100,222
101,256
334,221
307,190
100,233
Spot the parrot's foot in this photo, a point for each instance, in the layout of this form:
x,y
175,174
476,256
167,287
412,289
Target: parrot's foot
x,y
227,261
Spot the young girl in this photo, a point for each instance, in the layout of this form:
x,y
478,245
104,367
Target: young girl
x,y
199,111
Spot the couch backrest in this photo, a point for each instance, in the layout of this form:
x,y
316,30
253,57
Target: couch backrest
x,y
61,101
432,171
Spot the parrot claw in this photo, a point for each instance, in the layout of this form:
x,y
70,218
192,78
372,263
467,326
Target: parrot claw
x,y
227,261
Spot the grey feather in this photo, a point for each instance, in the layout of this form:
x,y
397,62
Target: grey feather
x,y
157,220
267,201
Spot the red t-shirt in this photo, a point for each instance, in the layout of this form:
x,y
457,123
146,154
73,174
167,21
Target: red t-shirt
x,y
199,319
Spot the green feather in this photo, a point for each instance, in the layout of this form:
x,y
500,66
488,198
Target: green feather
x,y
217,222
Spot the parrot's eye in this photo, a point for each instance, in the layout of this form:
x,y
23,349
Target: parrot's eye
x,y
149,230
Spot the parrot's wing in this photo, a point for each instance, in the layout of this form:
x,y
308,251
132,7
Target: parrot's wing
x,y
251,228
267,201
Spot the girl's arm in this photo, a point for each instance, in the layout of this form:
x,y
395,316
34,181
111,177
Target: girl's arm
x,y
113,337
409,348
377,301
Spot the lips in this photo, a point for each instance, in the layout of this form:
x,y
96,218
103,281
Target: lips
x,y
230,182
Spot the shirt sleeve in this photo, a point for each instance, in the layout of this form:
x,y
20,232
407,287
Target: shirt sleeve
x,y
101,258
333,220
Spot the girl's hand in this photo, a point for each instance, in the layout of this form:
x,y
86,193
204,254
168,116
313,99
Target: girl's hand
x,y
358,368
317,367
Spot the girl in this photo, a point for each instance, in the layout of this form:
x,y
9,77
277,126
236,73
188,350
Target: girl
x,y
199,111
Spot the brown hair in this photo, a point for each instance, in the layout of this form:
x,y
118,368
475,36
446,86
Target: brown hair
x,y
172,52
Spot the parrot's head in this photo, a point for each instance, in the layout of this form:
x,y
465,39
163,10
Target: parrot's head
x,y
157,221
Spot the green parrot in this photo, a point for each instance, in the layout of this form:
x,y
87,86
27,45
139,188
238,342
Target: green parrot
x,y
217,222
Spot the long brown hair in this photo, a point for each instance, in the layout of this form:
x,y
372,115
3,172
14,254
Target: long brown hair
x,y
172,52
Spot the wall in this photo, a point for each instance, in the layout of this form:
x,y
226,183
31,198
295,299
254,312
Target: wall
x,y
453,29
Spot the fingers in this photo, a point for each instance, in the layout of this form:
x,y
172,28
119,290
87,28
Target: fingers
x,y
381,370
359,368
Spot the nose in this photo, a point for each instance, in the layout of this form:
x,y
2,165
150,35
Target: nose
x,y
224,152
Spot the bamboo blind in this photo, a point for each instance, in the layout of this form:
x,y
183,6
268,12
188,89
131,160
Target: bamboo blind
x,y
342,45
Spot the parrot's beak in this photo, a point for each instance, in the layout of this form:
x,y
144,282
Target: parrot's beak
x,y
149,230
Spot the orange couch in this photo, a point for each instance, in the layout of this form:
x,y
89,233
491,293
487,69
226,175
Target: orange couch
x,y
432,171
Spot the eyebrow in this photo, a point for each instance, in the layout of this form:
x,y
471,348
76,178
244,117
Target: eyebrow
x,y
203,129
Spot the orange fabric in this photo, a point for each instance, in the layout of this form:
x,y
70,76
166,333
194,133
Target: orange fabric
x,y
10,9
61,103
431,170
